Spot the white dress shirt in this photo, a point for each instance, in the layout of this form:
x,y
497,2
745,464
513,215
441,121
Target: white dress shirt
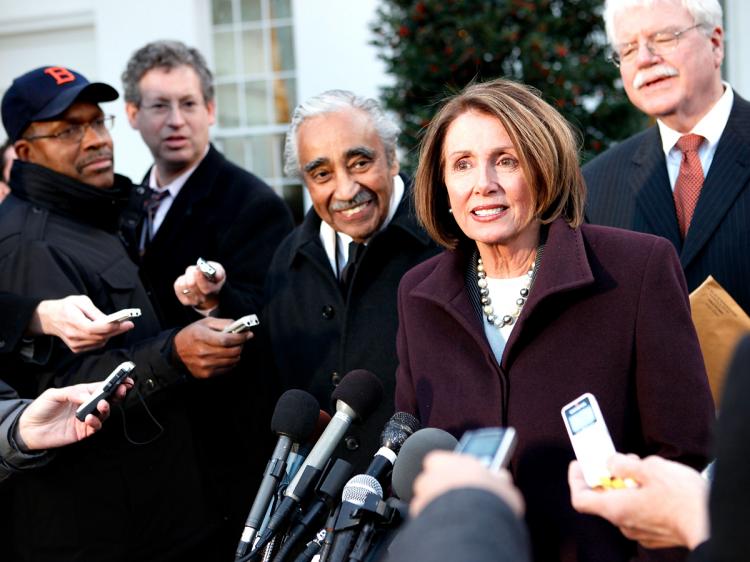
x,y
710,127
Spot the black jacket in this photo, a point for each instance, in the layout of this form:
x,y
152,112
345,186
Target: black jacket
x,y
96,501
318,334
15,317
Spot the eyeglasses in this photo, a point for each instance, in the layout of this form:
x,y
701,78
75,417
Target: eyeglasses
x,y
163,108
75,133
658,44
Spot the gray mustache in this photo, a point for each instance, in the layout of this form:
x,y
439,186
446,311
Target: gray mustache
x,y
361,197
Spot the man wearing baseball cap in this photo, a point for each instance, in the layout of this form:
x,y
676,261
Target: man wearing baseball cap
x,y
133,491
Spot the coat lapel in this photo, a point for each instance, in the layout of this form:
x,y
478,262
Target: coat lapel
x,y
649,183
564,267
445,287
728,175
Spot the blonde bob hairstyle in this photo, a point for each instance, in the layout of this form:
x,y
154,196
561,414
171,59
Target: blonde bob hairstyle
x,y
545,142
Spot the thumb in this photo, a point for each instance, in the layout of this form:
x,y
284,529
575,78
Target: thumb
x,y
627,466
87,307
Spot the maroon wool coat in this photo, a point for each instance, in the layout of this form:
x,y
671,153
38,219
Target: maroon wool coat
x,y
608,314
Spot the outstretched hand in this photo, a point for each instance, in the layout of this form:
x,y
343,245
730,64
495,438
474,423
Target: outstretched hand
x,y
444,471
205,350
50,420
77,322
668,508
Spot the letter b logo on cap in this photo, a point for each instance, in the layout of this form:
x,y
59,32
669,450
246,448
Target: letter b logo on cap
x,y
60,74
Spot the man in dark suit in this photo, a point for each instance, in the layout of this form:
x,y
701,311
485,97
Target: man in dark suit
x,y
332,285
688,177
200,205
210,207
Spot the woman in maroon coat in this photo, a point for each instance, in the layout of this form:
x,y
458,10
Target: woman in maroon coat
x,y
529,308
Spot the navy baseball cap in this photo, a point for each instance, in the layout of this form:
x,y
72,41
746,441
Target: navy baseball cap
x,y
45,93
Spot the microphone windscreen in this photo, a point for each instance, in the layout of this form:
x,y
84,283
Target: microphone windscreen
x,y
361,391
295,415
409,462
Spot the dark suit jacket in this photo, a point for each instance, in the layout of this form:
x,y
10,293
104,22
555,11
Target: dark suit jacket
x,y
629,188
317,334
223,213
226,214
608,314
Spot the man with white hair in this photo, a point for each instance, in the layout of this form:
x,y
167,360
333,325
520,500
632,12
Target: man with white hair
x,y
688,177
331,289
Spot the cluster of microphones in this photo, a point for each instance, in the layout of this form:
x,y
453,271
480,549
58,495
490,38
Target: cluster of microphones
x,y
309,507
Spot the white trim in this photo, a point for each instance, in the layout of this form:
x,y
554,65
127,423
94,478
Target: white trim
x,y
35,24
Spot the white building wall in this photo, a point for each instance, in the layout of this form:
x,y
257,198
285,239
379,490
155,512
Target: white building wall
x,y
332,47
737,18
97,38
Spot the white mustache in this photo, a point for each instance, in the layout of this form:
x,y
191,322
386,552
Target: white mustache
x,y
650,74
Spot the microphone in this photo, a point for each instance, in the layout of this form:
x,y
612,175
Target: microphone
x,y
414,450
356,397
294,420
297,456
299,452
328,492
395,433
398,429
360,490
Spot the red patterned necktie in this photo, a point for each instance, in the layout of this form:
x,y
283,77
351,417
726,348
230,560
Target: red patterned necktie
x,y
689,182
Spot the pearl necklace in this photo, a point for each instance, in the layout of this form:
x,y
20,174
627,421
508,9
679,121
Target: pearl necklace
x,y
484,294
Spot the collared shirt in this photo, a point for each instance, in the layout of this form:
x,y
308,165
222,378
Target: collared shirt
x,y
173,188
336,244
710,127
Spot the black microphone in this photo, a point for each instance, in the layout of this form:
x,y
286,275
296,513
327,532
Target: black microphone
x,y
328,493
356,397
294,420
398,429
361,490
409,462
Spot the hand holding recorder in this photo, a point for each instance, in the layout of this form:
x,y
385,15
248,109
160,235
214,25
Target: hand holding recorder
x,y
206,349
77,322
668,508
50,420
200,285
445,471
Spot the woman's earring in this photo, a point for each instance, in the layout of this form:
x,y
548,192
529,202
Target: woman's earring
x,y
450,211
